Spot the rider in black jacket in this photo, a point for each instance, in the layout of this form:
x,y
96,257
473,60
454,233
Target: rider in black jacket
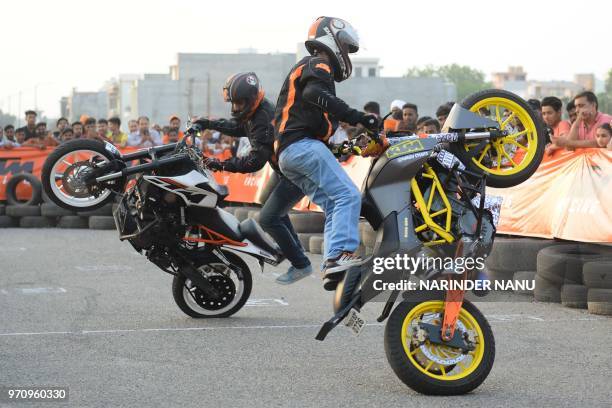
x,y
252,117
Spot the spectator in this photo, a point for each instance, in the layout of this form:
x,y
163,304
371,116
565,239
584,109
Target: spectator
x,y
30,127
551,114
536,106
175,123
43,138
372,107
19,136
103,132
67,134
588,119
410,114
115,134
443,111
61,124
9,133
420,123
77,130
603,136
144,137
571,111
90,129
392,123
171,136
431,126
132,126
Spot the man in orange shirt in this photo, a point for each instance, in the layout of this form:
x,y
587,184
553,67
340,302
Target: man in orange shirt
x,y
551,114
175,124
582,132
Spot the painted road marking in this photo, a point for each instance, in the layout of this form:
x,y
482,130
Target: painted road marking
x,y
266,302
104,268
258,327
33,291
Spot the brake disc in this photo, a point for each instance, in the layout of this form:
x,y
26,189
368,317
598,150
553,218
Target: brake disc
x,y
72,179
445,355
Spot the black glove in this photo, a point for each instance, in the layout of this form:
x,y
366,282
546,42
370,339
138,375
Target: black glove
x,y
214,164
199,125
370,121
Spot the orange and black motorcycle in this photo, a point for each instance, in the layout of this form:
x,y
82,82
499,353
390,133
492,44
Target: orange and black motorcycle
x,y
170,214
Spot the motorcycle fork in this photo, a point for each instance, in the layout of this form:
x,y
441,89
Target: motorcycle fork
x,y
453,302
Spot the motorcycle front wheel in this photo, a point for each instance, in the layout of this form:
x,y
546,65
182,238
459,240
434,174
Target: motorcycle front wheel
x,y
65,168
435,369
512,159
234,289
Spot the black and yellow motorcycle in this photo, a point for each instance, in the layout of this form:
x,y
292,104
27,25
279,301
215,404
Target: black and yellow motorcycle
x,y
429,193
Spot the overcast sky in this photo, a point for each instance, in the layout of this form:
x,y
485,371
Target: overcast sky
x,y
56,45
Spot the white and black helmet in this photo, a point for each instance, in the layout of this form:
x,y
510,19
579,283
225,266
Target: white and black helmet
x,y
243,86
338,39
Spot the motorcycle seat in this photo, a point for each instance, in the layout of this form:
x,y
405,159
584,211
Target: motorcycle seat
x,y
253,232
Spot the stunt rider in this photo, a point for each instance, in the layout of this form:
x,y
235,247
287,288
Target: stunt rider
x,y
307,114
252,116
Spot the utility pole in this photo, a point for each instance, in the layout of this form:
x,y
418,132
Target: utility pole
x,y
208,94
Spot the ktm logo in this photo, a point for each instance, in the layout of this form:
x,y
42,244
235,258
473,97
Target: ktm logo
x,y
15,167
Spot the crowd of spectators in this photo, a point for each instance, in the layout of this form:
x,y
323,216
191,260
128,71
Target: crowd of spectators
x,y
584,127
140,134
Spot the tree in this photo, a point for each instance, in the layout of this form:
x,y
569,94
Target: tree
x,y
605,98
467,80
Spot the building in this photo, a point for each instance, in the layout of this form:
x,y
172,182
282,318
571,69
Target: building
x,y
515,80
193,86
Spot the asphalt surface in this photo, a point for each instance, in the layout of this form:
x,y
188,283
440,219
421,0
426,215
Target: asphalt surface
x,y
83,310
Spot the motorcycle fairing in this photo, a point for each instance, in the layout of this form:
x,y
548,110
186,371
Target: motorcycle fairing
x,y
185,186
460,118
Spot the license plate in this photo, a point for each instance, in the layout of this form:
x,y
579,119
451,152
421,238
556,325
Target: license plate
x,y
355,322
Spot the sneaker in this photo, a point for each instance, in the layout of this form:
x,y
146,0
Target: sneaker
x,y
336,267
294,274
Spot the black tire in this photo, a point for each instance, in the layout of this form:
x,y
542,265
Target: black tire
x,y
315,244
516,254
546,291
513,179
574,296
2,209
524,276
368,235
36,222
72,221
305,240
254,214
417,380
562,264
104,211
598,274
53,210
8,222
23,210
308,222
101,222
11,189
60,151
178,284
599,301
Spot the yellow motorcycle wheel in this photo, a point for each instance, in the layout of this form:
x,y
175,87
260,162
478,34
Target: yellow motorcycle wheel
x,y
435,369
512,159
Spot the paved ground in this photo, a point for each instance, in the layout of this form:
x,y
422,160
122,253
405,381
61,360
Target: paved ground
x,y
101,320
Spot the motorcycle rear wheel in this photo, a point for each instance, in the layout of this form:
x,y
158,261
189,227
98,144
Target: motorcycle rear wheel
x,y
235,290
433,369
512,159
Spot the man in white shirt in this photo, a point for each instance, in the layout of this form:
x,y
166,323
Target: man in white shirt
x,y
144,137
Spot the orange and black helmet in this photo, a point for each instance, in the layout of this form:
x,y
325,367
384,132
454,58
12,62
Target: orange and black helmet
x,y
338,39
244,86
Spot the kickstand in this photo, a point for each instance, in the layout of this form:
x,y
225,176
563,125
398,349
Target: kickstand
x,y
334,321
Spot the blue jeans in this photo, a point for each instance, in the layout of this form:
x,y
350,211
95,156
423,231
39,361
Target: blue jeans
x,y
310,165
274,220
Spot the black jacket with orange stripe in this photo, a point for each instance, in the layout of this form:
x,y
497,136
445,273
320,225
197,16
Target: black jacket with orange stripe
x,y
307,105
260,131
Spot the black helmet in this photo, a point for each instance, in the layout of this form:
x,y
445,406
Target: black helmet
x,y
243,86
338,39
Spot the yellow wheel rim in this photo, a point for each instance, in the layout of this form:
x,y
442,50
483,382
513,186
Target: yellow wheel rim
x,y
510,154
417,355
